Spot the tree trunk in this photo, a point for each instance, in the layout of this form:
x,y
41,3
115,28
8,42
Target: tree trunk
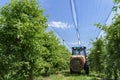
x,y
115,75
31,75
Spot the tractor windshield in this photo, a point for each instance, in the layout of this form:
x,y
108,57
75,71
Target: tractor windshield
x,y
78,51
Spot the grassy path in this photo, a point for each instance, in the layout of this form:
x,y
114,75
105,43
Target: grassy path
x,y
68,76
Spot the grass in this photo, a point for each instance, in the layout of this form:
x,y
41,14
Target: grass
x,y
68,76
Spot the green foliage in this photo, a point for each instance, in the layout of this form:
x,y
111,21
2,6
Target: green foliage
x,y
113,46
21,28
55,55
26,49
116,5
117,1
111,61
96,56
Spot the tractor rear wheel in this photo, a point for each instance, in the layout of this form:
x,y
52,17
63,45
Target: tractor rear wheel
x,y
71,71
87,70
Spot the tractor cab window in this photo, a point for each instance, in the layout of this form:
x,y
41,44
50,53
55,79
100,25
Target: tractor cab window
x,y
78,51
82,53
75,52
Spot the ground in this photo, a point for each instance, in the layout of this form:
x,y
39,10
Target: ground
x,y
67,76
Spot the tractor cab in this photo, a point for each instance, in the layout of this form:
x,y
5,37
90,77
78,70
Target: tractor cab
x,y
79,51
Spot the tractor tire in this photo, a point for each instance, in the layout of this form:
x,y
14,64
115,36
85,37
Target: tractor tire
x,y
87,70
71,72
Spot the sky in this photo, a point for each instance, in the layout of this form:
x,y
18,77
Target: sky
x,y
88,13
64,16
